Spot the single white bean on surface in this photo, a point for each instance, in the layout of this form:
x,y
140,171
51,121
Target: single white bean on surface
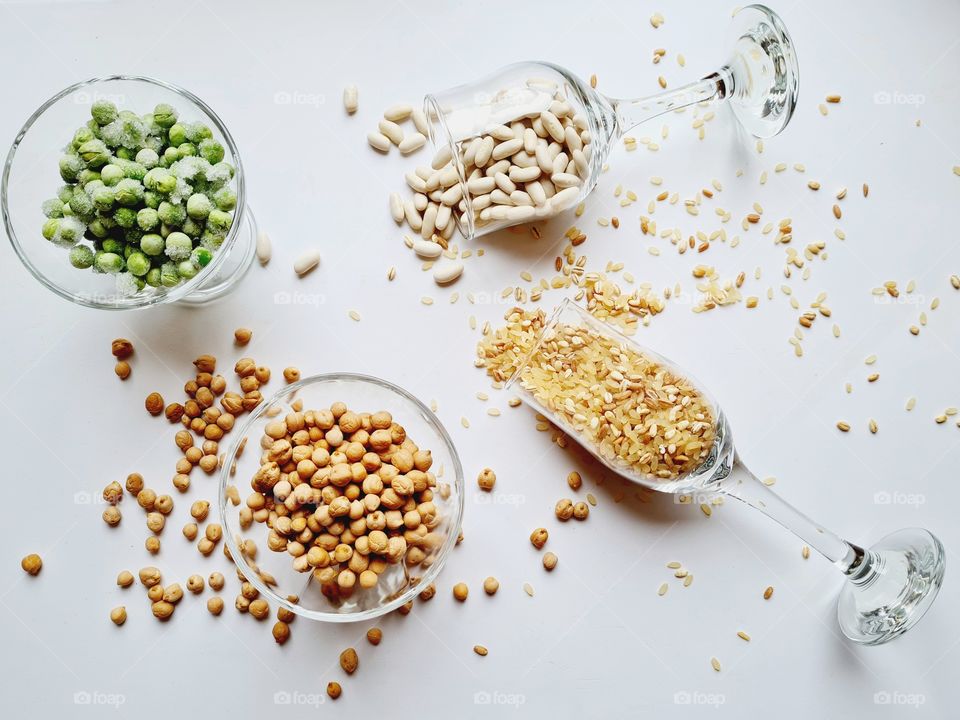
x,y
427,249
398,113
446,273
412,143
391,130
416,183
452,195
420,122
379,141
413,216
351,99
396,207
264,248
306,262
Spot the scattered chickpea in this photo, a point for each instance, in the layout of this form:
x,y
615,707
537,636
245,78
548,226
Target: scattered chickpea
x,y
154,403
216,581
460,591
121,348
113,493
162,609
334,690
491,585
574,480
190,531
428,592
281,632
118,615
125,579
581,510
550,561
259,609
215,605
487,479
285,615
539,537
174,412
195,584
564,509
405,608
164,504
374,636
111,516
291,374
155,594
242,336
206,364
152,544
349,661
31,564
199,510
149,576
134,483
155,521
122,369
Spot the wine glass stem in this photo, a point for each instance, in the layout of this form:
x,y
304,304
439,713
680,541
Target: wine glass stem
x,y
630,113
746,487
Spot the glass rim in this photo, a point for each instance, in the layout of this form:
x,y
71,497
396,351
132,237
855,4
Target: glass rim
x,y
173,294
225,480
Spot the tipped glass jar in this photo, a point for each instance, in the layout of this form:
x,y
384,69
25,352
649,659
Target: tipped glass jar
x,y
530,140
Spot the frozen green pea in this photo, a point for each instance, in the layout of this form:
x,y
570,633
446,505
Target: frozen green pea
x,y
177,134
91,185
125,217
132,236
187,149
152,199
103,112
108,262
112,245
147,218
225,198
82,204
128,192
198,206
81,136
111,174
178,246
153,277
125,153
211,150
103,198
138,264
152,244
171,214
192,227
65,193
87,176
94,153
212,240
81,257
197,132
52,208
169,277
50,228
186,269
148,157
160,180
153,142
201,257
98,228
70,231
164,115
171,155
218,220
132,170
70,166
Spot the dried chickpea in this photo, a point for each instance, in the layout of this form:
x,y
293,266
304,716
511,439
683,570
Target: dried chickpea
x,y
31,564
113,493
134,483
349,661
195,584
334,690
146,499
259,609
539,538
549,561
190,531
155,594
205,363
374,635
581,511
216,581
162,609
199,510
281,632
487,479
121,348
125,579
118,615
291,374
215,605
428,592
149,576
154,403
460,591
491,585
122,369
574,480
152,544
242,336
173,412
111,516
155,522
564,509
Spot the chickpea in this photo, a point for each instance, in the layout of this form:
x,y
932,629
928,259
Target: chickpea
x,y
285,615
574,480
149,576
549,561
491,585
155,522
216,581
134,483
181,482
259,609
486,479
195,584
428,592
291,374
111,516
460,592
199,510
581,511
374,635
564,509
334,690
122,369
118,615
125,579
539,538
281,632
349,661
242,336
155,594
146,499
190,531
215,605
113,493
162,609
152,544
31,564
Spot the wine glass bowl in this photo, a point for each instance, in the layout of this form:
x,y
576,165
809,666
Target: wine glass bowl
x,y
30,177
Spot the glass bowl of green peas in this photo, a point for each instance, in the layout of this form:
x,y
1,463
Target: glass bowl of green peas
x,y
123,192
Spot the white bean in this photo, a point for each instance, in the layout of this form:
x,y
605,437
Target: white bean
x,y
441,158
519,197
560,163
499,132
535,191
552,125
416,183
413,216
520,213
420,122
519,175
307,262
573,140
420,202
565,198
396,207
544,160
351,99
391,130
379,141
423,171
412,143
501,166
530,141
427,249
565,180
452,195
481,186
499,197
580,160
449,176
448,272
443,217
429,221
264,248
484,152
504,182
397,113
506,148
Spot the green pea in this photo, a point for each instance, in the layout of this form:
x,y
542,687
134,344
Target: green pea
x,y
169,277
218,220
108,262
164,115
152,244
152,199
65,193
128,192
198,131
82,204
111,174
148,158
192,228
81,257
153,277
125,153
112,245
103,198
160,180
147,218
138,264
211,151
125,217
198,206
81,136
171,214
225,198
201,257
103,112
71,231
212,240
177,134
94,153
98,228
178,246
50,228
171,155
186,269
70,165
52,208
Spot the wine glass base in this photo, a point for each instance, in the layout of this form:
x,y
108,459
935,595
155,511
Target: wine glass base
x,y
897,582
764,71
234,267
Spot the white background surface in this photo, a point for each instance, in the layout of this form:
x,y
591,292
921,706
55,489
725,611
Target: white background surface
x,y
596,638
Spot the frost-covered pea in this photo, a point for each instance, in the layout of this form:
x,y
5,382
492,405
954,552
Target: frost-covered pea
x,y
81,136
152,199
186,269
198,206
50,228
138,264
171,155
171,214
70,165
178,246
111,174
201,257
197,132
212,240
164,115
128,192
219,220
187,149
168,275
176,134
123,153
52,208
225,198
147,218
82,204
153,277
81,257
70,231
160,180
124,217
98,228
103,198
147,157
94,153
152,244
103,112
65,193
108,262
211,150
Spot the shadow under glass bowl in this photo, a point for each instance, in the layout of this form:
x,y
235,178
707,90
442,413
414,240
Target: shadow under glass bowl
x,y
272,572
31,176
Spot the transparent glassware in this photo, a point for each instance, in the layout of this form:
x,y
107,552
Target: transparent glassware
x,y
890,585
272,573
30,176
760,80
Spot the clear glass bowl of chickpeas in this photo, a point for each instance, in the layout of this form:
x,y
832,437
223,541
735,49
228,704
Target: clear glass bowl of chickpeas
x,y
341,497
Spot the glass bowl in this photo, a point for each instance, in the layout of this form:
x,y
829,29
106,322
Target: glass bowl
x,y
272,572
30,176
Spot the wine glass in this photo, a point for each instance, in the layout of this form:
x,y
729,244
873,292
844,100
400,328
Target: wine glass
x,y
522,102
30,177
890,585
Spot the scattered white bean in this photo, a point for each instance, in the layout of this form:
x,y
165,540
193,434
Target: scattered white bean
x,y
412,143
396,207
448,272
391,130
264,248
398,113
351,99
420,122
306,262
427,249
379,141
